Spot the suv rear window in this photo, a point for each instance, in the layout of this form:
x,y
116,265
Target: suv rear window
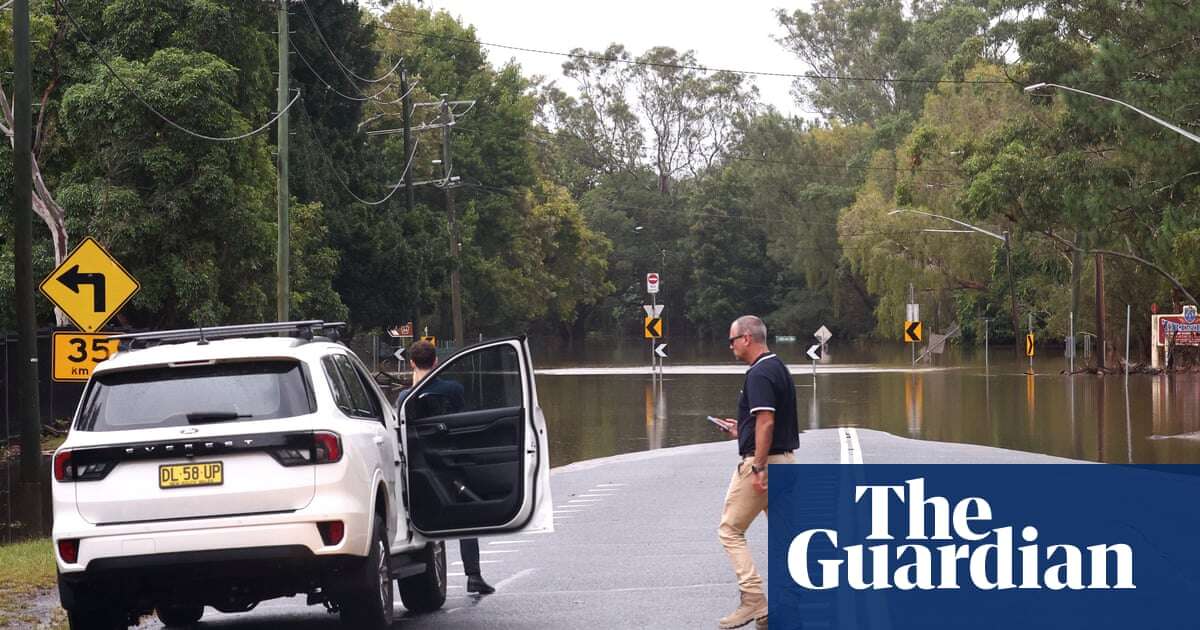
x,y
194,395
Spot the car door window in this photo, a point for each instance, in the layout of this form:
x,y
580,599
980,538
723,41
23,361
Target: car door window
x,y
486,379
337,387
373,397
359,399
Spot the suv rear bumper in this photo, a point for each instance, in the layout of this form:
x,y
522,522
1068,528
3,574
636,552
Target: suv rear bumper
x,y
230,579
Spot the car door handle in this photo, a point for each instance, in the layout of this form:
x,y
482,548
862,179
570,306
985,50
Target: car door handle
x,y
378,439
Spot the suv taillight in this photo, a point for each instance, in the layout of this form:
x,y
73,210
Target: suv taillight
x,y
67,468
62,466
327,447
319,447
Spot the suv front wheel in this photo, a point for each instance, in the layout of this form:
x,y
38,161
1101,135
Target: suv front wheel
x,y
368,601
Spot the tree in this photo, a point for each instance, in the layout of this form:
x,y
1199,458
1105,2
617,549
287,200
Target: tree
x,y
870,60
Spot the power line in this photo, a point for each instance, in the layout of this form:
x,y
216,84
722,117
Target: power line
x,y
399,184
763,73
647,153
100,57
328,86
345,69
721,215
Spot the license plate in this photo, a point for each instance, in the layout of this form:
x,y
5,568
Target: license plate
x,y
186,475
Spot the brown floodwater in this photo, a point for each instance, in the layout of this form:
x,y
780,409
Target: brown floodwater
x,y
599,400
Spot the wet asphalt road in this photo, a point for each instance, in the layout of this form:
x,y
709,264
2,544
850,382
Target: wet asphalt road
x,y
635,544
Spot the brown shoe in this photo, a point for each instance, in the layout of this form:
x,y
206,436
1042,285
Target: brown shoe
x,y
753,606
761,623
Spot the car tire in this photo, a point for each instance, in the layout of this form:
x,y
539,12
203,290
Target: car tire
x,y
180,616
368,602
426,592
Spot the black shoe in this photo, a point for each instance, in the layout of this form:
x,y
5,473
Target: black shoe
x,y
475,584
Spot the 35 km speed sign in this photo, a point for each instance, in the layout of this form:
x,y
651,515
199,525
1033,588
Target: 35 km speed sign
x,y
76,354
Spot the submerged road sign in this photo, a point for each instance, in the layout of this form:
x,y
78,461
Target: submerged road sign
x,y
661,350
912,332
823,335
814,352
1029,345
90,286
653,328
77,354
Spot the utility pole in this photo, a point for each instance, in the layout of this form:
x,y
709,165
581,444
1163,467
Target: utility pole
x,y
28,407
448,186
1012,290
406,103
448,182
1100,310
282,288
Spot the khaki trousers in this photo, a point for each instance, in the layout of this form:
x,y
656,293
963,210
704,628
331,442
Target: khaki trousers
x,y
742,505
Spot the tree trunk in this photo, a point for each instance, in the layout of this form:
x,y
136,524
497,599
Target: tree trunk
x,y
52,214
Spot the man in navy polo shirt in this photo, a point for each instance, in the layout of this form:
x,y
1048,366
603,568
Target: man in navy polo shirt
x,y
767,431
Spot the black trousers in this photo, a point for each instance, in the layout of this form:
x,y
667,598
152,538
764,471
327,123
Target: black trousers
x,y
469,549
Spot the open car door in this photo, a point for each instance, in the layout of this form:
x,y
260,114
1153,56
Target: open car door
x,y
475,441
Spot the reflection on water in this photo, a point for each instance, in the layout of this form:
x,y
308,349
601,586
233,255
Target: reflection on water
x,y
1142,419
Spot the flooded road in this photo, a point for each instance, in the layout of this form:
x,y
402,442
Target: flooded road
x,y
601,401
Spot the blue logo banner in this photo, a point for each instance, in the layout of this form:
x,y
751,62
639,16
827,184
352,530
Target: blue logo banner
x,y
899,547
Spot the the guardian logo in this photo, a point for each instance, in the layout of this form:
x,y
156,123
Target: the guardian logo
x,y
986,558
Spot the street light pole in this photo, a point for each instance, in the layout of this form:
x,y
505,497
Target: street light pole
x,y
1183,132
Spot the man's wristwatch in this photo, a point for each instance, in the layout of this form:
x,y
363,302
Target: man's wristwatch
x,y
757,469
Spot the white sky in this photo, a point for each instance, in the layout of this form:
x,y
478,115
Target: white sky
x,y
736,36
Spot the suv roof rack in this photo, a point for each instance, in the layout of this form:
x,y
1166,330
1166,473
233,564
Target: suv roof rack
x,y
306,330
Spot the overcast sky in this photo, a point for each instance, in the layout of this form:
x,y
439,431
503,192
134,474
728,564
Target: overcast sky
x,y
734,35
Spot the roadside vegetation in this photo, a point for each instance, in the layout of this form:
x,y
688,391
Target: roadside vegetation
x,y
634,161
26,572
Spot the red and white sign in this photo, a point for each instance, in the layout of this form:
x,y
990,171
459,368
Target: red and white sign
x,y
1178,330
651,282
403,330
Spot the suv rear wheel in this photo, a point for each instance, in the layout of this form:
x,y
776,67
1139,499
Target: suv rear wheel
x,y
426,592
368,602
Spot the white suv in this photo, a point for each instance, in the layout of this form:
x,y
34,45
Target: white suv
x,y
212,467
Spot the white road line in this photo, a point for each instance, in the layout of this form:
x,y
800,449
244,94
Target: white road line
x,y
509,580
510,542
499,551
480,562
584,501
858,452
610,485
582,496
851,452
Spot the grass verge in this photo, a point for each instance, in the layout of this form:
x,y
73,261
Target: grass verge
x,y
26,570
